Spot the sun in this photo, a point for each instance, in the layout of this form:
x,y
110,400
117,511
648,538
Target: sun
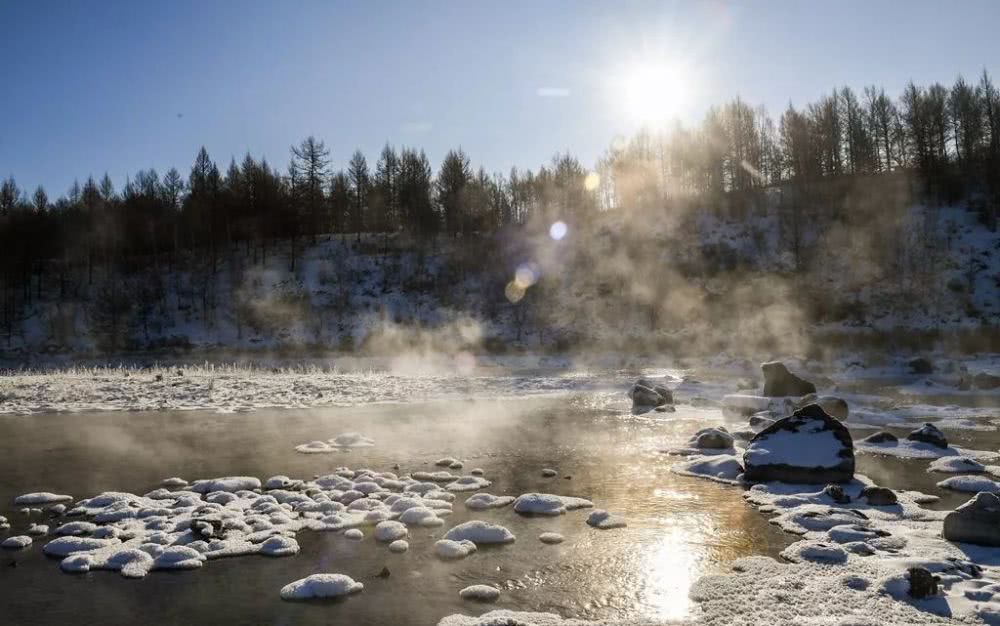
x,y
654,93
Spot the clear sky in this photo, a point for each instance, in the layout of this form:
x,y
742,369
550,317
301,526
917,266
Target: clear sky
x,y
90,87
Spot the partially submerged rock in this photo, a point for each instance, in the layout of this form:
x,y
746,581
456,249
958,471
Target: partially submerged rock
x,y
480,593
321,586
604,520
923,584
647,395
929,433
778,381
807,447
712,438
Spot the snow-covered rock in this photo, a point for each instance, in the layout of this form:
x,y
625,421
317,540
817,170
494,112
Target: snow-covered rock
x,y
480,593
930,434
448,549
389,531
16,542
482,501
40,498
321,586
480,532
956,465
807,447
551,538
548,504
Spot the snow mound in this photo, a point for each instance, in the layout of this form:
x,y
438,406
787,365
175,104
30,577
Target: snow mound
x,y
40,498
468,483
279,545
480,532
16,543
480,593
390,531
548,504
482,501
720,468
956,465
551,538
600,518
398,546
340,443
815,551
970,484
321,586
449,549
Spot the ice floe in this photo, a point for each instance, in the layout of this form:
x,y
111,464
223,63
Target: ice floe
x,y
321,586
468,483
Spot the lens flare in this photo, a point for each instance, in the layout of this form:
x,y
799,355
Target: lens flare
x,y
526,275
558,230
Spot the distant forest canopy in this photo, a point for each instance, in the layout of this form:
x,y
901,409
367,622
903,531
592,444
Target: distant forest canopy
x,y
942,143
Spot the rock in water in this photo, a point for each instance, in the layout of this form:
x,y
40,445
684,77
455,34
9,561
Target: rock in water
x,y
879,496
929,433
921,365
923,584
809,446
712,438
778,381
881,437
977,521
645,394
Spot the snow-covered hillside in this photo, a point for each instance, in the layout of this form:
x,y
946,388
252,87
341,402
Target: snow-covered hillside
x,y
693,284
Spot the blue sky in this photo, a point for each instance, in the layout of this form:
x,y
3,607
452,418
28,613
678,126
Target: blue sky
x,y
91,87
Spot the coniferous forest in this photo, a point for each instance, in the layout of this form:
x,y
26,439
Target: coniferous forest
x,y
838,177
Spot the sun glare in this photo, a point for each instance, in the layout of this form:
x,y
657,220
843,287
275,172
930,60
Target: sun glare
x,y
654,93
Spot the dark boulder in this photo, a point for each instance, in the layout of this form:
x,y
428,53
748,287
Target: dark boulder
x,y
836,493
923,584
646,394
879,496
929,433
809,446
921,365
778,381
882,436
977,521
